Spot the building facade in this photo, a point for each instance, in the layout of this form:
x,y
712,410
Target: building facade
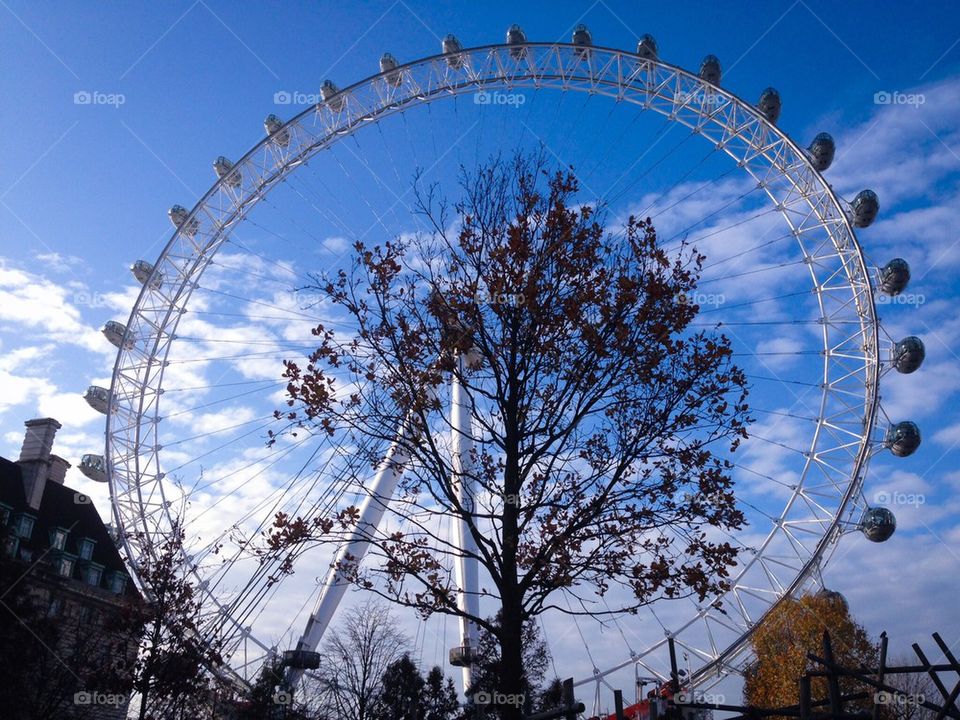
x,y
67,598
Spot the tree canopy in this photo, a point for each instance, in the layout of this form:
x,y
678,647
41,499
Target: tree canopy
x,y
602,415
794,628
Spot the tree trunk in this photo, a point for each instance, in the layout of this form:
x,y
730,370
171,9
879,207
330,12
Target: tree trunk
x,y
143,705
510,700
511,685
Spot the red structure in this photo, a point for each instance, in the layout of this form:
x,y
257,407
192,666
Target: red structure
x,y
638,711
650,709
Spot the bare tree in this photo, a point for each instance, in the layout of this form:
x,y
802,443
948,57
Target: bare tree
x,y
596,407
354,658
172,674
913,688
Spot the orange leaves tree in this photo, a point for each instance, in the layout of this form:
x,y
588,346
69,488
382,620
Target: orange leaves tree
x,y
597,406
794,628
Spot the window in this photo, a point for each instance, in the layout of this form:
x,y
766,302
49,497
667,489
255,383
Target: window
x,y
23,525
88,616
10,545
5,512
118,582
63,564
55,609
58,538
86,548
92,572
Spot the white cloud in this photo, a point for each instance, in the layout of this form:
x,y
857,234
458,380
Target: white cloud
x,y
34,302
58,263
948,436
337,245
920,394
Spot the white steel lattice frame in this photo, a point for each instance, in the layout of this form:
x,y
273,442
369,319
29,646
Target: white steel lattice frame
x,y
822,503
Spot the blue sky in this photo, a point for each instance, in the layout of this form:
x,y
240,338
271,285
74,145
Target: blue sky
x,y
84,188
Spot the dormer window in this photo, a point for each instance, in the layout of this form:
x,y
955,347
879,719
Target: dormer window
x,y
23,525
117,582
58,539
85,547
91,573
5,512
64,563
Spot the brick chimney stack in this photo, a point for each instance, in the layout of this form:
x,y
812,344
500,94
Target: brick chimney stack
x,y
58,469
37,461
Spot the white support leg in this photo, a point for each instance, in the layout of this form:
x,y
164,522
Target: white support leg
x,y
380,492
467,577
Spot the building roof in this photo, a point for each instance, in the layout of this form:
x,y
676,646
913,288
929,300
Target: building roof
x,y
61,507
11,484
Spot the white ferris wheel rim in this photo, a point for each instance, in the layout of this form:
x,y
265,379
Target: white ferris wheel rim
x,y
734,126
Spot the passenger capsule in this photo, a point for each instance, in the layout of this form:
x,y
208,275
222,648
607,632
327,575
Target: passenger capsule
x,y
865,207
94,467
142,270
822,150
98,398
331,95
878,524
388,67
903,439
274,127
894,276
647,48
710,70
179,217
452,49
224,169
115,332
582,39
909,354
769,105
301,659
463,656
516,37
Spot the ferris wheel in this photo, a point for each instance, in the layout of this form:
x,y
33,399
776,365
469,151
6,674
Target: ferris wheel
x,y
198,371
